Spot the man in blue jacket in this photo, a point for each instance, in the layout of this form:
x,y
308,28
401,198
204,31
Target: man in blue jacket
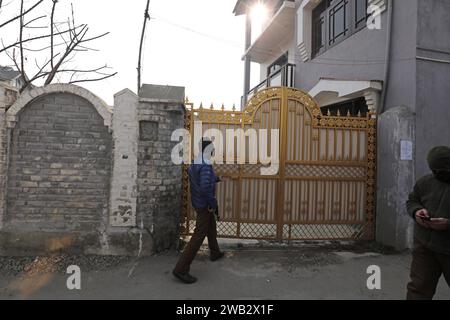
x,y
203,197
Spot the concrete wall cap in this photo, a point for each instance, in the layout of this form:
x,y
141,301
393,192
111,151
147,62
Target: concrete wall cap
x,y
125,91
28,96
162,93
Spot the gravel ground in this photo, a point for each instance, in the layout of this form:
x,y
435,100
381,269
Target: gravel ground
x,y
14,266
306,253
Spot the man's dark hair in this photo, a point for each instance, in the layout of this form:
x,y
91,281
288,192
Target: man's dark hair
x,y
205,143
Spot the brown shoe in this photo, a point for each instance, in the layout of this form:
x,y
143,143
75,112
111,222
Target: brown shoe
x,y
217,257
184,277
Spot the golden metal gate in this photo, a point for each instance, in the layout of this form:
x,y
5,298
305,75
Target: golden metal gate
x,y
325,185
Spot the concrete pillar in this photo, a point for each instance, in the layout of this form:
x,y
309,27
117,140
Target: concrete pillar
x,y
124,175
247,60
396,136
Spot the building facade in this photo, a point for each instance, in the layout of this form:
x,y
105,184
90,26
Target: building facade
x,y
11,77
354,56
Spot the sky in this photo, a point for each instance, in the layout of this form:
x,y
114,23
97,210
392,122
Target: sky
x,y
197,44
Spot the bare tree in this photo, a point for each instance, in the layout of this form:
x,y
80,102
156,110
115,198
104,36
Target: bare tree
x,y
53,46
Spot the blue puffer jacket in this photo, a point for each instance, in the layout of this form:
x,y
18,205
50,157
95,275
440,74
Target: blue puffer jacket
x,y
203,185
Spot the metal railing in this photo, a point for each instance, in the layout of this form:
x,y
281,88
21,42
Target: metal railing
x,y
284,77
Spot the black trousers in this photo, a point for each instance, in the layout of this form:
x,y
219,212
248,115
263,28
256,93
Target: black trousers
x,y
426,270
205,227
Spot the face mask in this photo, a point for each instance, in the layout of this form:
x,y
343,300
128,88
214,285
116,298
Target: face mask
x,y
442,175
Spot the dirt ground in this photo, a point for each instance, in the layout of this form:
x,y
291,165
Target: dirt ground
x,y
248,272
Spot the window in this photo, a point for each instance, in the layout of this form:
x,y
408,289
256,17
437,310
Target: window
x,y
335,20
318,27
148,130
361,15
338,21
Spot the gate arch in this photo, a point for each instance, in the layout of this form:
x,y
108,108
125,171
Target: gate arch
x,y
59,161
325,186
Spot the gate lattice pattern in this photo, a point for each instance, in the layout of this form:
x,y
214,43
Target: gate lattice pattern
x,y
325,186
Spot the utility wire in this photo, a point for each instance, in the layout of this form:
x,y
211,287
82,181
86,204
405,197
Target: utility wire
x,y
316,61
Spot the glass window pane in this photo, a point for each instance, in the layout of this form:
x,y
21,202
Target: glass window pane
x,y
318,33
360,12
339,21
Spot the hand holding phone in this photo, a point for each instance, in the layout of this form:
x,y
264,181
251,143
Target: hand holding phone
x,y
423,217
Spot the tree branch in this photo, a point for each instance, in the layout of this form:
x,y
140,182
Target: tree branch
x,y
68,51
22,14
52,17
60,61
33,20
40,73
33,39
95,79
22,58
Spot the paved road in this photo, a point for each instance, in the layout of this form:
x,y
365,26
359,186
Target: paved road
x,y
255,273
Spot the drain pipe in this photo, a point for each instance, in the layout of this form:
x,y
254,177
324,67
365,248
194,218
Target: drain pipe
x,y
387,67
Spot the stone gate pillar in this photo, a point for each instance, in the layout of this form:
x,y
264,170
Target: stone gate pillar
x,y
125,128
146,191
161,112
396,129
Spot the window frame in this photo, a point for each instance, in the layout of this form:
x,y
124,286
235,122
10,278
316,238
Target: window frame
x,y
355,14
326,10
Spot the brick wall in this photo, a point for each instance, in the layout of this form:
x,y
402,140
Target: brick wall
x,y
159,180
60,166
88,177
7,98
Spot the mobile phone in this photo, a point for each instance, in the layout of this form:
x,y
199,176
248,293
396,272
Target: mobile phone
x,y
426,218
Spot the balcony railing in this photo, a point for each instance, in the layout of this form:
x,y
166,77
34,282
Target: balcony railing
x,y
284,77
